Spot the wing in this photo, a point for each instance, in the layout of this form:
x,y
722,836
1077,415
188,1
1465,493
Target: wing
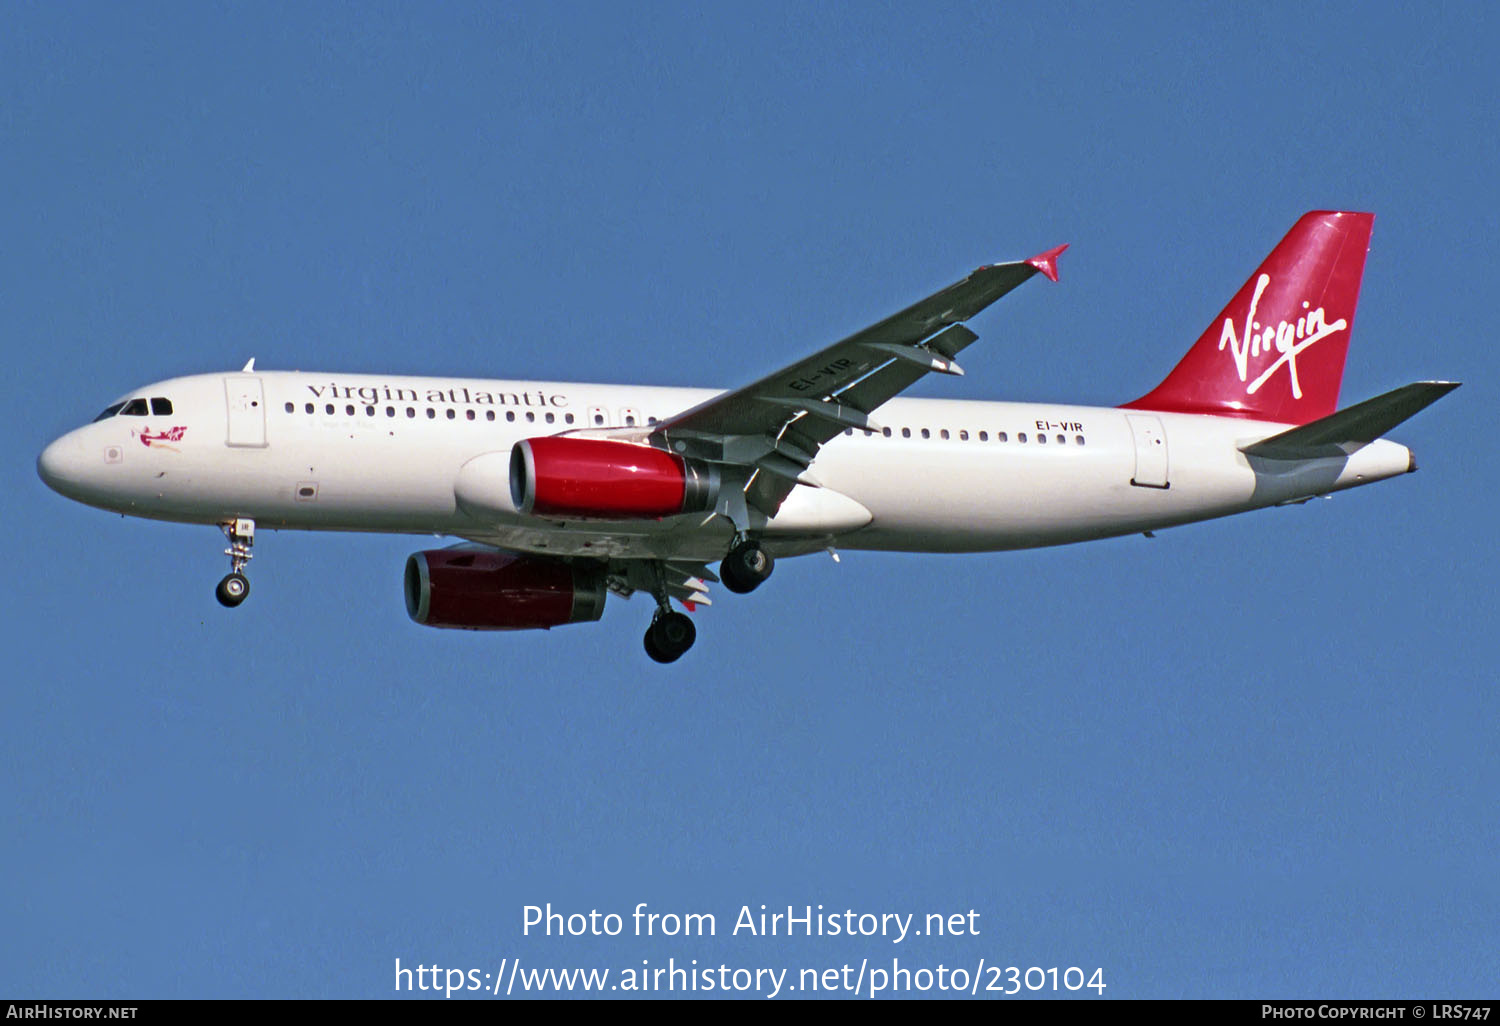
x,y
775,426
764,436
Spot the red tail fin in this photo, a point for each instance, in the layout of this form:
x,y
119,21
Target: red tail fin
x,y
1276,352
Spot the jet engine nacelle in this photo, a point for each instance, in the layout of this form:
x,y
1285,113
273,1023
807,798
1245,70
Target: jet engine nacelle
x,y
598,479
490,590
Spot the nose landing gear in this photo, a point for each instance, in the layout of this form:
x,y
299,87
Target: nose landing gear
x,y
235,586
232,590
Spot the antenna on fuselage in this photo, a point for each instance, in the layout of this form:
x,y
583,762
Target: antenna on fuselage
x,y
249,366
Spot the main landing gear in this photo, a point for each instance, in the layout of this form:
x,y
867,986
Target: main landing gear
x,y
671,633
746,567
235,585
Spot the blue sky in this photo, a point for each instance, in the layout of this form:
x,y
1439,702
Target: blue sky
x,y
1247,758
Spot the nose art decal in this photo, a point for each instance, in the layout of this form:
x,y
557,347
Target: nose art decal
x,y
159,440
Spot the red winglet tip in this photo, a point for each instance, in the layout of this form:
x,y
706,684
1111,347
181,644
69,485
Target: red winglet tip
x,y
1047,262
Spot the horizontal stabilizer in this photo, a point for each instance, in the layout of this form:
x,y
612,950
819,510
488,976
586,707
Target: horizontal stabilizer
x,y
1341,433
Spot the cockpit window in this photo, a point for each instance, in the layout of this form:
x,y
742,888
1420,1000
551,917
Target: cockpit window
x,y
110,412
134,408
161,407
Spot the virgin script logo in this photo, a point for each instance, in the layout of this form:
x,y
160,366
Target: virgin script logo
x,y
1289,339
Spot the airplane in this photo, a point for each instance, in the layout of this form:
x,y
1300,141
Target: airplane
x,y
562,493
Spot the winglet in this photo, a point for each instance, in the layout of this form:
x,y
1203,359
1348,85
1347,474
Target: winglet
x,y
1047,262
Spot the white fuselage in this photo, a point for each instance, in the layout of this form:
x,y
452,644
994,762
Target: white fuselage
x,y
430,456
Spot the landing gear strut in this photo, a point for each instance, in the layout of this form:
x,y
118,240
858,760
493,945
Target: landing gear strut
x,y
235,585
746,567
671,633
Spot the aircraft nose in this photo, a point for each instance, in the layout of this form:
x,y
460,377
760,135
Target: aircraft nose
x,y
60,464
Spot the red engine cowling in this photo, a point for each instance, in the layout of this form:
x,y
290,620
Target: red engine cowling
x,y
490,590
597,479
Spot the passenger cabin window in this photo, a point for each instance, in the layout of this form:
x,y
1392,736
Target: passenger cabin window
x,y
109,412
161,407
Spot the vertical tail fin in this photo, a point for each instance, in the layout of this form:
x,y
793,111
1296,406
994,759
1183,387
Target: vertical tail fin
x,y
1276,352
